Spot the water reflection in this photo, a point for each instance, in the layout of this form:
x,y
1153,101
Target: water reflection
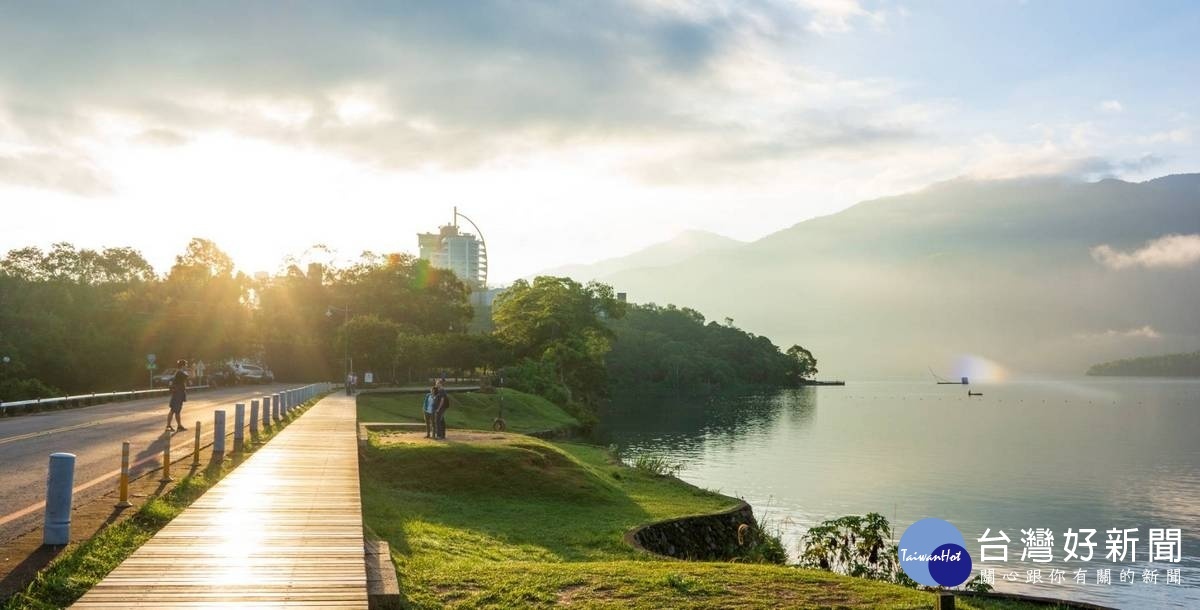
x,y
681,423
1060,454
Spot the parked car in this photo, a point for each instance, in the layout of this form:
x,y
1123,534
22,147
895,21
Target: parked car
x,y
221,375
163,379
252,373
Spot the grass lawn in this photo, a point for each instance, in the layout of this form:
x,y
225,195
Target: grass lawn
x,y
511,521
522,412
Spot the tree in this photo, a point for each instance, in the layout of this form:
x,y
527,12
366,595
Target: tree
x,y
804,363
372,343
563,324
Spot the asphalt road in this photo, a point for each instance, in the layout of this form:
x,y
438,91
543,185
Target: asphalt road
x,y
94,435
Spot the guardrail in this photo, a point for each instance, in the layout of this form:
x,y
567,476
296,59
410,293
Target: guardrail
x,y
102,397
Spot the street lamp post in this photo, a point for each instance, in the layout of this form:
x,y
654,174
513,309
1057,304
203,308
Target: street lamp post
x,y
346,320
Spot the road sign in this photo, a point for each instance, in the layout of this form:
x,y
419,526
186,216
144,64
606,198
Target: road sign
x,y
150,358
151,366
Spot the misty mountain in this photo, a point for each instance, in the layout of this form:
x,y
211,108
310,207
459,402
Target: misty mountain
x,y
675,250
1042,276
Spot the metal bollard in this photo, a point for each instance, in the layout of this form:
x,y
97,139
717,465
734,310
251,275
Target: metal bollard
x,y
254,419
275,408
239,427
266,412
166,474
196,447
60,484
218,433
123,485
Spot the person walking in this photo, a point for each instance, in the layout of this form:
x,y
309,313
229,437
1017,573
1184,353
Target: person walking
x,y
430,403
178,395
442,402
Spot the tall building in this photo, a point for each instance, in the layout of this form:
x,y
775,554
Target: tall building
x,y
463,253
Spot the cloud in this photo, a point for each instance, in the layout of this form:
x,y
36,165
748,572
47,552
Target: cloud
x,y
450,85
1110,106
64,172
1145,332
839,16
1170,251
162,137
1180,135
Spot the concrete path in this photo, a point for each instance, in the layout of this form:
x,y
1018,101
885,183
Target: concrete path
x,y
283,530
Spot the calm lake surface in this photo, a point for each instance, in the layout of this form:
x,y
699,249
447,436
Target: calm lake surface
x,y
1079,453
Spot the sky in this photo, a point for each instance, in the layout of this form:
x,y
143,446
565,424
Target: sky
x,y
568,131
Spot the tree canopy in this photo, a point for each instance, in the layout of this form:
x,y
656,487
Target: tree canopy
x,y
674,347
75,320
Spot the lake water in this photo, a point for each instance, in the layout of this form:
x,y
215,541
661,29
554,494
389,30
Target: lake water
x,y
1080,453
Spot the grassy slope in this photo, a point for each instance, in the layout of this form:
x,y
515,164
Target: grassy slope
x,y
520,522
522,412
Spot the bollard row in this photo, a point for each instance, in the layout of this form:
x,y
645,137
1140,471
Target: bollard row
x,y
60,479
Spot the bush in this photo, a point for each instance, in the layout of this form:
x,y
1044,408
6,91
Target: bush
x,y
536,377
760,545
656,465
854,545
25,389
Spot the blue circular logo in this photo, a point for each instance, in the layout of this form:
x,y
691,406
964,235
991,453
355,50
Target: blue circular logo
x,y
933,553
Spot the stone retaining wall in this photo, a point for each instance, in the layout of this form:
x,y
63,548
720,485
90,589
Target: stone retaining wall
x,y
702,537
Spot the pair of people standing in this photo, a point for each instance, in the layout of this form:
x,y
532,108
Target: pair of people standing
x,y
436,403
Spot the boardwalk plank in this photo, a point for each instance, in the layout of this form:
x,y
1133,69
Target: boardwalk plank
x,y
283,530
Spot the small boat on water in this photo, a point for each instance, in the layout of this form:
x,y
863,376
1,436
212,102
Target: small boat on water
x,y
943,381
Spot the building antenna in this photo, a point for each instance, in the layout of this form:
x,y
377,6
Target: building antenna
x,y
483,262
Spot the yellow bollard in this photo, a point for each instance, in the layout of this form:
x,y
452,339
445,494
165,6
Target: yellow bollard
x,y
124,502
166,476
196,447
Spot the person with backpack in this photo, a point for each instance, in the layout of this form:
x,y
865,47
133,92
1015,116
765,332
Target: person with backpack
x,y
428,411
442,401
178,395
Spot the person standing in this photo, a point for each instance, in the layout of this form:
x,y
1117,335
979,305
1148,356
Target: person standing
x,y
349,384
442,402
178,395
430,403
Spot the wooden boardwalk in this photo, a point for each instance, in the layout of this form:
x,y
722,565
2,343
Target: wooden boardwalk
x,y
283,530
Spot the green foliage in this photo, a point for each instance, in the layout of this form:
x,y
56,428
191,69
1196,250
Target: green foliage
x,y
537,377
83,320
674,347
371,342
557,328
762,545
1170,365
656,465
854,545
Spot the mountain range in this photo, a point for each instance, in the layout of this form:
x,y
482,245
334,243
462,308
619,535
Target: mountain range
x,y
1035,276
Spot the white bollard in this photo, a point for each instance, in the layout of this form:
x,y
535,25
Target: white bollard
x,y
239,427
219,433
254,419
60,484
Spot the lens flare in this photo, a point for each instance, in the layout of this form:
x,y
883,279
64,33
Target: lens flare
x,y
980,369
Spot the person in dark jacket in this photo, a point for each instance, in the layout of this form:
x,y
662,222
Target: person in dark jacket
x,y
441,402
178,395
